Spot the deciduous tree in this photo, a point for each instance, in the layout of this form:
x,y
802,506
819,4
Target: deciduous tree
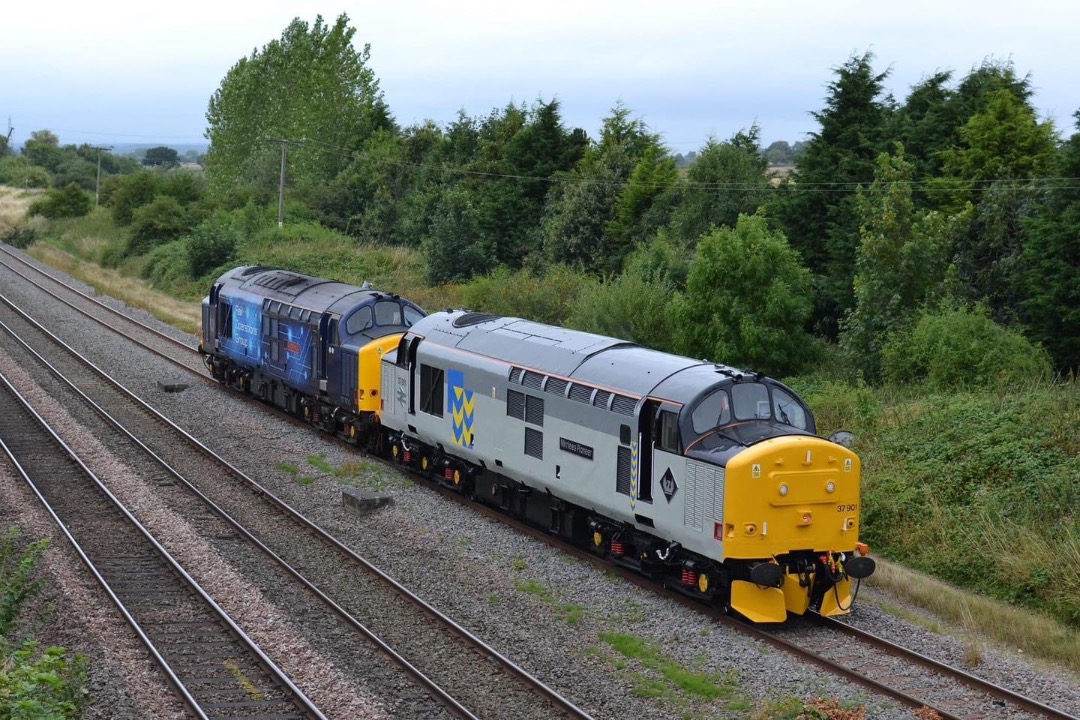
x,y
748,299
902,259
310,86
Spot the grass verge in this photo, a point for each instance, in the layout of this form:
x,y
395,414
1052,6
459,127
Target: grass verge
x,y
184,315
1035,635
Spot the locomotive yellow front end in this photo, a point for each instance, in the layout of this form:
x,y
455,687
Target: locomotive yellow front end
x,y
791,527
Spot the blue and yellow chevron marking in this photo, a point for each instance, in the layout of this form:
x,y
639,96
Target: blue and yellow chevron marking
x,y
633,475
461,404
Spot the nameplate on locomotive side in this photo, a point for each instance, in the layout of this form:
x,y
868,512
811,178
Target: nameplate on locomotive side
x,y
576,448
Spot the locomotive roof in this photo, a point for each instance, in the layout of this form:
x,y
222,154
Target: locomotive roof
x,y
589,358
313,293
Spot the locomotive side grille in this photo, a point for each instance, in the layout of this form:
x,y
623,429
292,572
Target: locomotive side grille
x,y
581,393
515,404
532,380
534,410
623,405
388,392
601,399
622,477
534,443
718,493
696,480
515,374
704,494
556,386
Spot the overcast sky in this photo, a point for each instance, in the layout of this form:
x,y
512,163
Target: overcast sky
x,y
106,72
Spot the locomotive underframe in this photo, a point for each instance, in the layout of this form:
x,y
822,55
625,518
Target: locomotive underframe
x,y
361,429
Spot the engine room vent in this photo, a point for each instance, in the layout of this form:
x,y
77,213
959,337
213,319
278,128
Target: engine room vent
x,y
473,318
515,374
532,380
534,443
556,386
534,410
623,405
515,404
602,398
581,393
622,472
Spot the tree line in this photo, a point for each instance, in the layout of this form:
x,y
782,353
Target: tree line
x,y
954,205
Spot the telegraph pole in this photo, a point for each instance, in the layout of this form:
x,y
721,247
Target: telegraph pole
x,y
281,183
97,187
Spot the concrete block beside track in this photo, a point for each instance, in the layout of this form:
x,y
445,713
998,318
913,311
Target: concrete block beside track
x,y
363,501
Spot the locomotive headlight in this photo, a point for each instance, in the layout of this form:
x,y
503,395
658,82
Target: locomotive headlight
x,y
830,486
783,490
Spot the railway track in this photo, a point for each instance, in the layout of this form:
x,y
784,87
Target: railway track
x,y
831,641
829,644
442,656
214,667
179,353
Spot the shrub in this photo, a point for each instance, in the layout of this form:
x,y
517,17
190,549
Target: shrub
x,y
212,243
78,171
128,193
33,683
632,306
157,223
185,185
547,298
962,348
68,202
19,237
747,302
20,172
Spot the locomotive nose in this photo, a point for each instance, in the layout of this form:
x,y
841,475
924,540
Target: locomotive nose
x,y
796,493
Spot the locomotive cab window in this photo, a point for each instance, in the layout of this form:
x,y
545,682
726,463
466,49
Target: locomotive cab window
x,y
431,390
788,410
751,401
359,321
412,315
387,312
712,412
225,320
669,431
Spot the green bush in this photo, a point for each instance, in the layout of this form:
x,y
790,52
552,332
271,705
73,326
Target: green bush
x,y
127,193
547,298
979,488
18,171
962,348
747,302
45,685
632,306
33,684
157,223
212,243
68,202
186,186
166,267
78,171
19,237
